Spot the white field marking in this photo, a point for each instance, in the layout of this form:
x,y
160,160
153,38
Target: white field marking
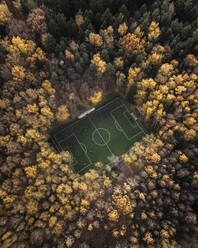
x,y
64,148
90,161
140,127
76,122
117,125
131,124
133,115
100,134
111,102
60,131
84,168
85,113
121,129
122,104
135,120
117,98
55,143
112,164
93,139
74,159
58,144
84,147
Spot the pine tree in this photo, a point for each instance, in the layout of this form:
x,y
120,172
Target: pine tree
x,y
78,67
107,19
3,30
2,54
156,15
186,32
64,7
110,69
124,11
105,55
176,26
186,11
53,28
92,5
61,23
50,43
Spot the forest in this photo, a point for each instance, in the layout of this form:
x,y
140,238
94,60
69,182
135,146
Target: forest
x,y
60,58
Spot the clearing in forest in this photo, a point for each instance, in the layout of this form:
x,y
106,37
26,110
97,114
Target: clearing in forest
x,y
100,136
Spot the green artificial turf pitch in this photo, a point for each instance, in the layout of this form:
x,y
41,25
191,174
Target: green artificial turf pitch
x,y
109,131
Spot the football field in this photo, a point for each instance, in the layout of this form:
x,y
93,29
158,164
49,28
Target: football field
x,y
101,136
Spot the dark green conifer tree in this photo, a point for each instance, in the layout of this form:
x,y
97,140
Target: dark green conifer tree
x,y
2,54
110,69
50,43
186,10
105,54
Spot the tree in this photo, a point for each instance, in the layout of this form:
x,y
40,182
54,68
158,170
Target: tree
x,y
156,15
71,29
50,43
5,15
79,19
69,55
105,55
63,113
93,5
96,98
54,76
27,6
110,69
15,11
154,31
107,19
123,9
99,63
113,215
186,10
3,53
18,73
131,44
36,20
61,25
122,28
131,93
95,39
31,171
78,67
186,32
99,75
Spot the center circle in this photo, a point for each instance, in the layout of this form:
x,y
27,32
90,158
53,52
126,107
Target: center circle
x,y
101,136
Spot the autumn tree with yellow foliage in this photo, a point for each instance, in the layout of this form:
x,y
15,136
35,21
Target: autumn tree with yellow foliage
x,y
132,44
99,63
154,31
95,39
96,98
122,29
63,113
